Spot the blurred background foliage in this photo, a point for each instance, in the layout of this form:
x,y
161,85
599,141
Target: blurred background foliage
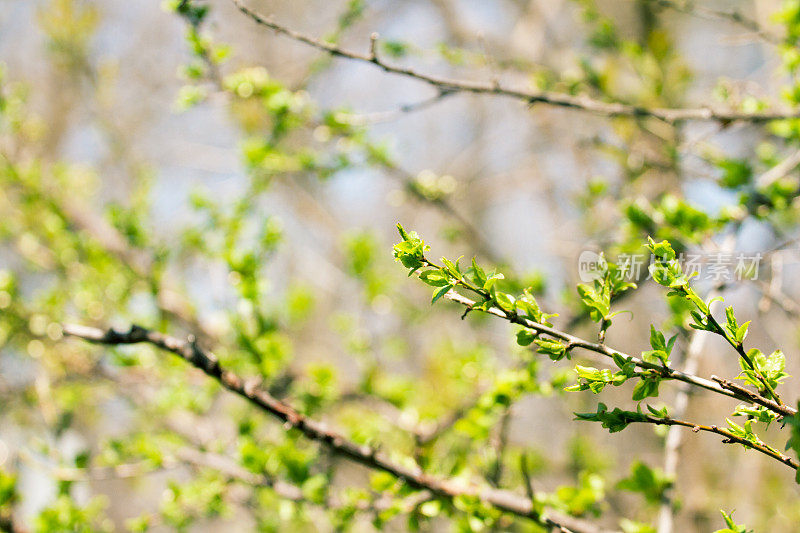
x,y
180,167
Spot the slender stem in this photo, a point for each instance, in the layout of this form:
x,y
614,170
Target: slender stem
x,y
746,358
729,437
665,372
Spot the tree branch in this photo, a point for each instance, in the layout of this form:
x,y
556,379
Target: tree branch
x,y
317,431
665,372
730,438
579,102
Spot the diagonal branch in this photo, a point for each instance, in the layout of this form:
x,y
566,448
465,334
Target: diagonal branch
x,y
579,102
600,348
317,431
729,437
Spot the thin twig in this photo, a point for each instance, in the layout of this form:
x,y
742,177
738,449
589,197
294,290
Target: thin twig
x,y
526,476
364,119
730,438
779,171
499,442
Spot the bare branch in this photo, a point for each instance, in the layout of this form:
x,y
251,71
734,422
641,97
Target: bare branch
x,y
779,171
579,102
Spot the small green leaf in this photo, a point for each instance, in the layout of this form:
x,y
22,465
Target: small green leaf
x,y
646,388
491,280
652,483
741,332
435,278
440,292
504,301
525,337
402,231
733,527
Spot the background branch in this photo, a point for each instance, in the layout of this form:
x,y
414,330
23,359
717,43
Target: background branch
x,y
319,432
579,102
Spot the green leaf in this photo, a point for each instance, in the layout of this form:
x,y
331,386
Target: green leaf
x,y
652,483
525,337
756,412
646,388
660,413
555,349
657,341
733,527
596,298
491,280
771,368
403,233
615,420
793,422
411,251
504,301
452,268
478,274
594,379
440,292
435,278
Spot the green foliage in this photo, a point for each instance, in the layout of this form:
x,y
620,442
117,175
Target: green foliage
x,y
769,369
661,348
598,296
629,526
651,483
756,413
744,432
765,373
183,504
595,380
411,253
65,515
733,527
735,172
8,489
618,419
584,498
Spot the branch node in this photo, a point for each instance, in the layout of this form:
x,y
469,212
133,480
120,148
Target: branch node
x,y
373,47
